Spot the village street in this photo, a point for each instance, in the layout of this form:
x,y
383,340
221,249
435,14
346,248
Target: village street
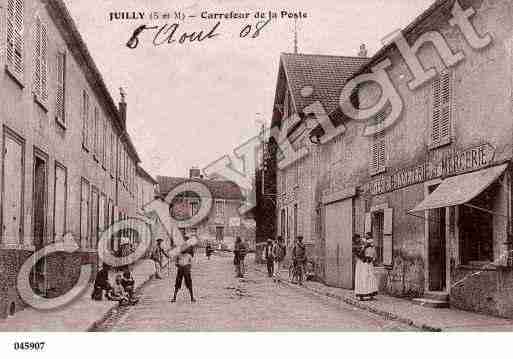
x,y
255,303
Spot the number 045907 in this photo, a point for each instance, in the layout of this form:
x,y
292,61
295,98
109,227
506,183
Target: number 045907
x,y
29,345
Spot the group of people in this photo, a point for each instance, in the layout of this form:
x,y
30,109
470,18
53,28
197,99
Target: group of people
x,y
274,253
121,291
365,284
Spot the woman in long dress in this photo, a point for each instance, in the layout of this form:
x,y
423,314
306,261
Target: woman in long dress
x,y
365,280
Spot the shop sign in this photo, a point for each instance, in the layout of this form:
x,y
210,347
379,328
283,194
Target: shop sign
x,y
458,162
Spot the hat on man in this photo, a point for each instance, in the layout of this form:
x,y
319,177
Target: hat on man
x,y
159,240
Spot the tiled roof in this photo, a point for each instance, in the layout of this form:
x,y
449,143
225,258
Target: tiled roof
x,y
219,189
326,74
408,31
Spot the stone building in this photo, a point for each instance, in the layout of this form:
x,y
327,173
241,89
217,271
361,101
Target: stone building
x,y
222,223
304,80
438,196
69,165
428,174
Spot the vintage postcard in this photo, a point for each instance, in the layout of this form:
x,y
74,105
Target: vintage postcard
x,y
241,166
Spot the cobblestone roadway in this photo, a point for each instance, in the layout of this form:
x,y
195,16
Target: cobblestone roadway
x,y
256,303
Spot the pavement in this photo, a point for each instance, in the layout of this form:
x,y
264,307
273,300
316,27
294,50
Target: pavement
x,y
227,303
79,316
405,311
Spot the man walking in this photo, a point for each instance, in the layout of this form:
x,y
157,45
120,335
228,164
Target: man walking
x,y
183,271
299,259
279,253
158,256
269,258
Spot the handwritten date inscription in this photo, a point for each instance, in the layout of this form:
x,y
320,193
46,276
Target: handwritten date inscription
x,y
170,33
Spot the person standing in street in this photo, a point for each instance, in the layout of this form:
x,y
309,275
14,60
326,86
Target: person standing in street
x,y
299,258
183,271
269,258
239,253
366,285
158,256
208,250
279,253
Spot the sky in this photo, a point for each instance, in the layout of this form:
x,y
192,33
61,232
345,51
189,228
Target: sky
x,y
190,104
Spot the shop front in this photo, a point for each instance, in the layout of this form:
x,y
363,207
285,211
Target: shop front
x,y
447,232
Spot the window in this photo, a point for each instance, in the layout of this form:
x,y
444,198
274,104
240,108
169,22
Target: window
x,y
284,181
60,97
112,153
219,208
102,222
476,231
85,120
14,38
441,111
283,222
60,202
106,134
194,208
378,222
84,213
378,154
295,220
40,74
94,216
96,130
318,220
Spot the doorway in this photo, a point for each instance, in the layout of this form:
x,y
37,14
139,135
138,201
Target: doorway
x,y
436,248
39,203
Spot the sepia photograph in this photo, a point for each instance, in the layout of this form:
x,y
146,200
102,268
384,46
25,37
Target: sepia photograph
x,y
242,167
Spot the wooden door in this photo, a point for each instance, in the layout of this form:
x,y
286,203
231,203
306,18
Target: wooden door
x,y
339,232
436,249
12,218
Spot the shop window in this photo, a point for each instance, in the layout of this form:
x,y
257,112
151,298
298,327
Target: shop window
x,y
476,228
84,212
60,202
441,110
379,222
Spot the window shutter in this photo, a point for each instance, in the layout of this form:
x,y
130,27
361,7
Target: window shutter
x,y
85,120
37,59
44,62
368,223
61,75
378,154
387,236
15,36
95,131
441,117
445,118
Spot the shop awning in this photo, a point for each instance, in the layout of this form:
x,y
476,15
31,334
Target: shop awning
x,y
460,189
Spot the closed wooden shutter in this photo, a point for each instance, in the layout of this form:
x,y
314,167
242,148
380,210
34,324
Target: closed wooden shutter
x,y
367,227
40,73
441,115
387,236
85,120
378,154
60,90
60,203
84,214
14,51
96,130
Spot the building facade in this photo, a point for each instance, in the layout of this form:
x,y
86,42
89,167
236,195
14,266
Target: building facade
x,y
223,223
434,186
69,166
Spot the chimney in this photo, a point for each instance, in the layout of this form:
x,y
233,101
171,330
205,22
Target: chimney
x,y
122,108
363,51
195,173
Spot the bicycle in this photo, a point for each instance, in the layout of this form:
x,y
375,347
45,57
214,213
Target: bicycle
x,y
296,273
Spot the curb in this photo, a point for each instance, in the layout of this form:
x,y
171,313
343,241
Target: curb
x,y
98,323
356,303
